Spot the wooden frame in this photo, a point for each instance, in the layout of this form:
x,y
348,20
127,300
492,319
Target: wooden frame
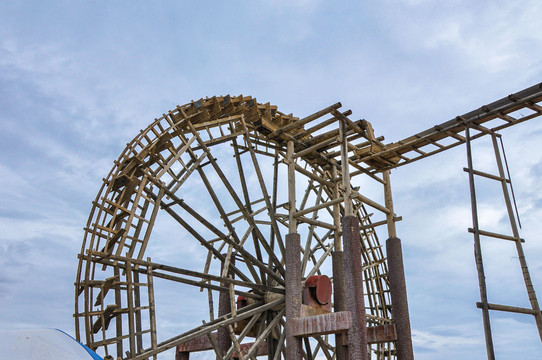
x,y
247,163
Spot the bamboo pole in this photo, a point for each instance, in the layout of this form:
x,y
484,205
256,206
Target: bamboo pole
x,y
519,247
152,309
478,253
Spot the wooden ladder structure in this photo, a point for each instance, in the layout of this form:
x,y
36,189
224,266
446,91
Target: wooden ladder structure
x,y
503,178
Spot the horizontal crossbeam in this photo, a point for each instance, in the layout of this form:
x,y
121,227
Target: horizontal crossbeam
x,y
428,142
507,308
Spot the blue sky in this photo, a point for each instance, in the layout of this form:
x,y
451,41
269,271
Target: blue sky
x,y
78,80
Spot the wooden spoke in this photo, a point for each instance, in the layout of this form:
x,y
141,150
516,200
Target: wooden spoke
x,y
276,230
248,204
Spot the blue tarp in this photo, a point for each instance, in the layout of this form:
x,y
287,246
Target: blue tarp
x,y
42,344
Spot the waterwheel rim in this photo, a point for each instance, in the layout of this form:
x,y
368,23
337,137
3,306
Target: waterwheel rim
x,y
216,168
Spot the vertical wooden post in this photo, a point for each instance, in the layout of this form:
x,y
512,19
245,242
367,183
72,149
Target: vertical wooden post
x,y
390,221
337,243
353,279
399,309
291,187
396,277
353,272
337,258
137,304
478,251
293,265
118,319
345,172
152,312
223,339
130,299
293,294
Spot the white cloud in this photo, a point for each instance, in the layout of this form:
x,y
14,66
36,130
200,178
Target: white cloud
x,y
440,339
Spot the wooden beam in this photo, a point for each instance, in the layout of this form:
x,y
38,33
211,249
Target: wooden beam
x,y
301,122
332,323
203,343
381,333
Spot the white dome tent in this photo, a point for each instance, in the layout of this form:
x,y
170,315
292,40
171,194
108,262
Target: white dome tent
x,y
42,344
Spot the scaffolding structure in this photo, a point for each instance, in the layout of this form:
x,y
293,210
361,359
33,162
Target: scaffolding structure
x,y
291,265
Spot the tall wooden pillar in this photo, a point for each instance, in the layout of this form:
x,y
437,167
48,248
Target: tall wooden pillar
x,y
293,294
396,277
337,257
223,339
353,276
339,302
293,264
399,303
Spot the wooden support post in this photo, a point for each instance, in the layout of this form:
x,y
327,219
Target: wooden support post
x,y
118,319
291,187
478,251
353,272
137,304
345,171
353,275
130,298
293,265
399,303
396,277
223,339
152,310
388,200
337,258
293,294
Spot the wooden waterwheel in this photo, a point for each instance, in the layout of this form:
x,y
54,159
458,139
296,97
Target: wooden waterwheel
x,y
199,212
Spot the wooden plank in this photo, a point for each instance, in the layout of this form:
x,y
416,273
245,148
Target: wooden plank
x,y
332,323
381,333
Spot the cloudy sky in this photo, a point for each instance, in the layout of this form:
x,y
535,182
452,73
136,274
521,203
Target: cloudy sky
x,y
78,80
